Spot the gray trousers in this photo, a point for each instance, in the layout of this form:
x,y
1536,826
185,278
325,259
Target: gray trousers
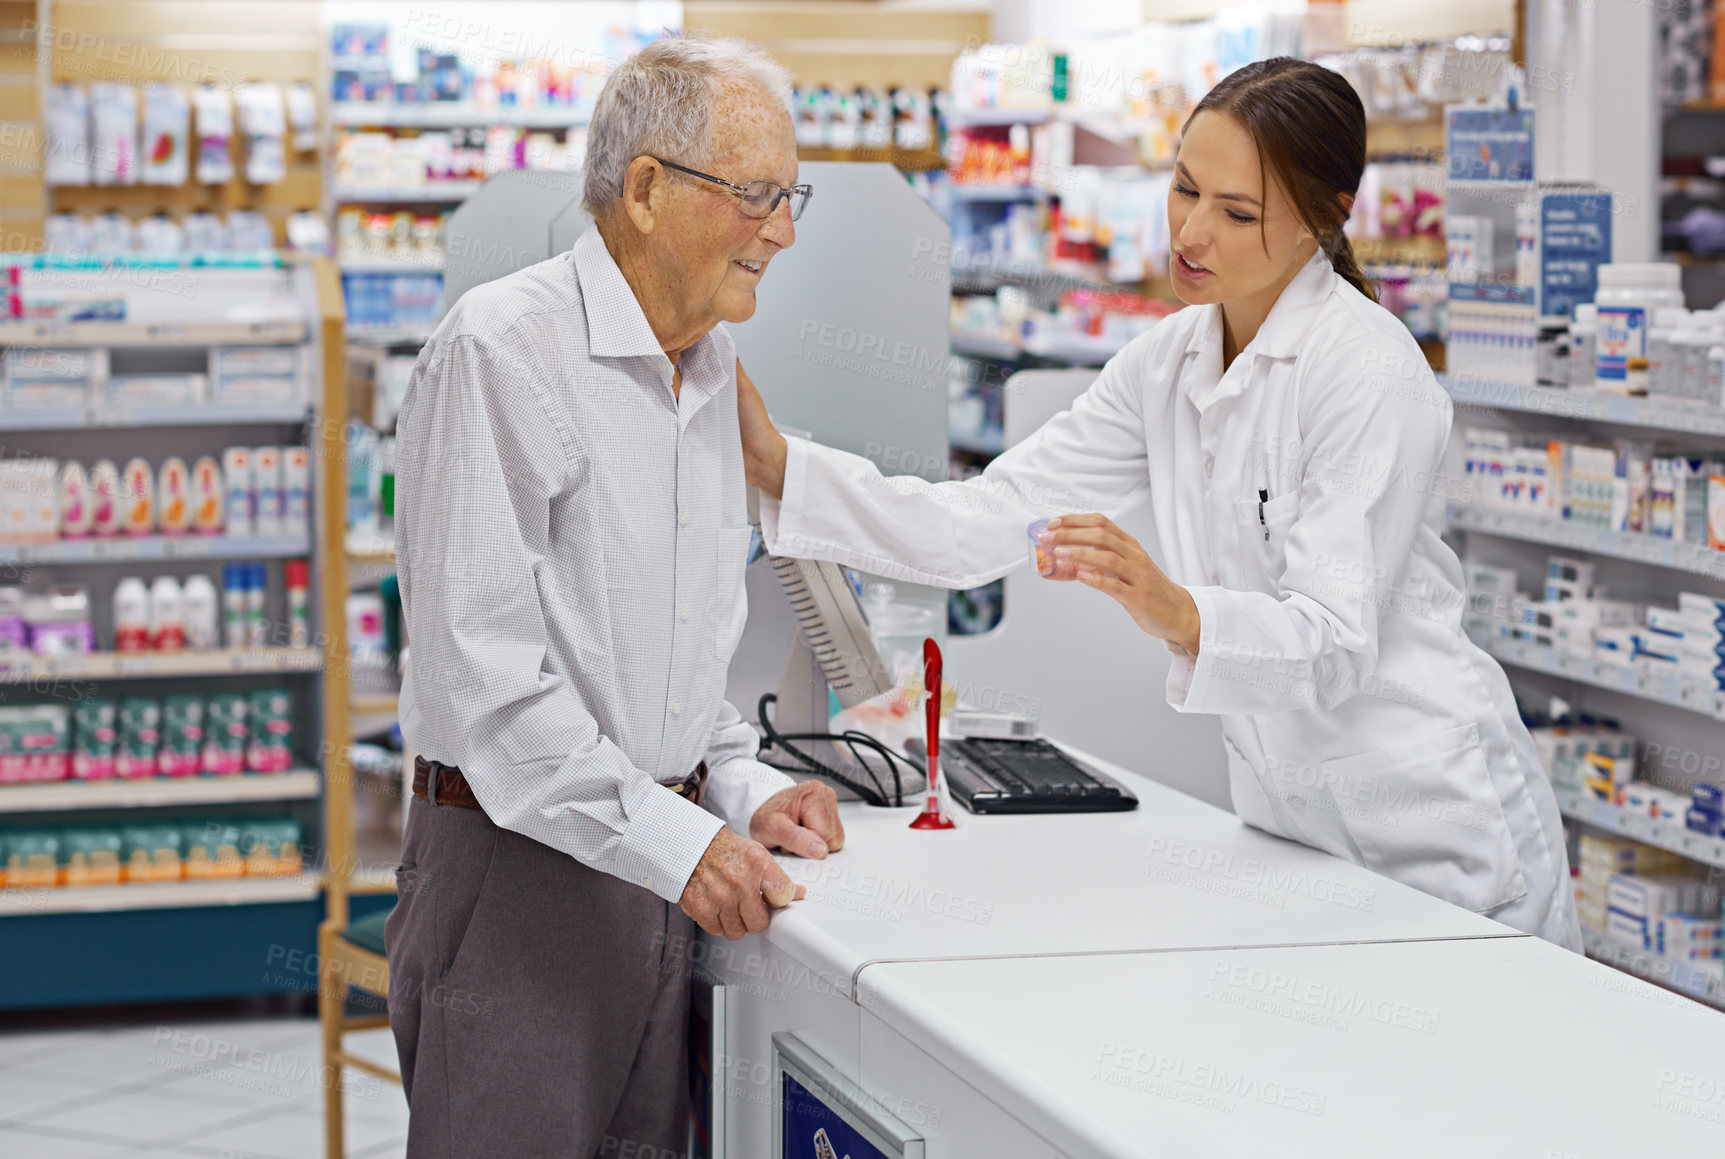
x,y
540,1008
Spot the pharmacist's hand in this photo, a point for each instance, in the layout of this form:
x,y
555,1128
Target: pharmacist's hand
x,y
763,446
1096,553
803,819
733,886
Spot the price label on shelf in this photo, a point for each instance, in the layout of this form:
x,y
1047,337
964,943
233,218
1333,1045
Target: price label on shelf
x,y
194,548
131,664
1634,825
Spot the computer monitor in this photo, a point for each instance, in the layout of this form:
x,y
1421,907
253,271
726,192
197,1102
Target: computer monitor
x,y
834,647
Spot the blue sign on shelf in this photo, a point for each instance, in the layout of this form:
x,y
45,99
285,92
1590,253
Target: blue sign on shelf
x,y
813,1130
1489,144
1574,241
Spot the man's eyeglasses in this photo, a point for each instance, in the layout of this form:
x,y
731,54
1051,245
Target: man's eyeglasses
x,y
759,198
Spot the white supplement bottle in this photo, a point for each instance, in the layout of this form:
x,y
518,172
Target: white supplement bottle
x,y
1583,330
131,615
200,607
1629,294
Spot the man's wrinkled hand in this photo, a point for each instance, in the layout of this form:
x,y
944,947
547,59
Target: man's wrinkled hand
x,y
803,819
733,886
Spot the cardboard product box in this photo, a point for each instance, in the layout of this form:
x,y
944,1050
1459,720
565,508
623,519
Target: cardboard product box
x,y
271,847
182,735
157,390
212,849
1626,927
140,736
35,743
257,374
44,377
29,500
90,857
269,748
226,730
151,852
32,858
95,738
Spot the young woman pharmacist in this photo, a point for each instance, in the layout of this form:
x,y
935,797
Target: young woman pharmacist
x,y
1292,441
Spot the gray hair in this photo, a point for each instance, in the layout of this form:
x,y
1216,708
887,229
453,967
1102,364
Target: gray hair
x,y
660,102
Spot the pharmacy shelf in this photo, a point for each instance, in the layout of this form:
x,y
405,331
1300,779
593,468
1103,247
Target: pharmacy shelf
x,y
29,901
150,548
965,118
443,191
113,793
1702,981
430,264
1694,558
453,115
1076,349
1673,415
143,665
275,333
387,335
1664,834
1695,695
985,346
962,192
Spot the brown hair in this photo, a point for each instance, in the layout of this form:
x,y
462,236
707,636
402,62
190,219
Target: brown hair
x,y
1310,129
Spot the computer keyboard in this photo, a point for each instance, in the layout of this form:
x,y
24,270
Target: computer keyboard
x,y
1026,776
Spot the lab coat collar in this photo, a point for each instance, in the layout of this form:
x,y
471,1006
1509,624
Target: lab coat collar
x,y
1290,320
617,327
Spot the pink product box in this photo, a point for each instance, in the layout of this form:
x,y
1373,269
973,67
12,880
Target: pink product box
x,y
172,764
18,767
135,765
91,767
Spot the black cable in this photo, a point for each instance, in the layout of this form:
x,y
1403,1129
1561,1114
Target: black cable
x,y
876,796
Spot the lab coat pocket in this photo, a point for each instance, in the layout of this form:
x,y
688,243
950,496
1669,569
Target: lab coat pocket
x,y
730,607
1425,813
1265,534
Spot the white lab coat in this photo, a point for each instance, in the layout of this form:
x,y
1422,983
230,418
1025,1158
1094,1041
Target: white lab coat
x,y
1357,716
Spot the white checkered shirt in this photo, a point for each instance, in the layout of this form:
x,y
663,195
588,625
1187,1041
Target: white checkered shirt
x,y
571,539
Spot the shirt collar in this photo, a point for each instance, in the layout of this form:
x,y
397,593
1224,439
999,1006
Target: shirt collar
x,y
1289,321
616,325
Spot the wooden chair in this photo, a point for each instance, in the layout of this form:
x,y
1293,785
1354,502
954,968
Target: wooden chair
x,y
350,953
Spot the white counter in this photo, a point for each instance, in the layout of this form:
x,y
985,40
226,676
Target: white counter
x,y
1502,1047
1172,874
998,987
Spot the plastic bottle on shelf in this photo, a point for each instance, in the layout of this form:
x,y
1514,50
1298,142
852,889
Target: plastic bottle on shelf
x,y
1583,344
267,466
1629,295
1664,361
174,497
77,513
257,589
239,488
235,577
138,499
167,625
207,498
296,577
201,612
105,514
131,615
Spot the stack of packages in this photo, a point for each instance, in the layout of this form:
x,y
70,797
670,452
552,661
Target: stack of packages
x,y
1602,859
1688,640
1586,756
157,851
1672,914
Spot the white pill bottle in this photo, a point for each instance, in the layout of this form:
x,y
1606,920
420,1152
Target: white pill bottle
x,y
1629,294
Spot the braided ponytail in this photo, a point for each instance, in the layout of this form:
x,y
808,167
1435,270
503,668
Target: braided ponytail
x,y
1340,251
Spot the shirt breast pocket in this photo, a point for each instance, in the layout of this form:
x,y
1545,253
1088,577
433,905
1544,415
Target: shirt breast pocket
x,y
729,609
1263,535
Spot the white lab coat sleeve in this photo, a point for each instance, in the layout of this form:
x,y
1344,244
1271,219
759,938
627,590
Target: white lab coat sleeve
x,y
1370,469
839,507
737,783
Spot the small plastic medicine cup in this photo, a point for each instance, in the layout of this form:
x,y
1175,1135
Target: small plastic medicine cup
x,y
1036,530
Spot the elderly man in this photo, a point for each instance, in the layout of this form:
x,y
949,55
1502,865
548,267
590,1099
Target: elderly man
x,y
571,539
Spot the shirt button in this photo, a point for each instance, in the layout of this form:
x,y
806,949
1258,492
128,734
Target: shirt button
x,y
676,710
683,614
1209,465
648,882
682,520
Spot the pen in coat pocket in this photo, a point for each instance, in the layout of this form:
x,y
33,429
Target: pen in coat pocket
x,y
1263,498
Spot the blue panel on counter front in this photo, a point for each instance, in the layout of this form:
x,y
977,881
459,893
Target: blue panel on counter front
x,y
813,1130
1489,144
1575,240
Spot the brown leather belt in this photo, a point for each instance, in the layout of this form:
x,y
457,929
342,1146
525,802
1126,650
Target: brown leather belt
x,y
452,788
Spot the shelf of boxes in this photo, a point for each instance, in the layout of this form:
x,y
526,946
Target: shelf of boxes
x,y
359,265
387,335
148,548
278,333
1694,695
141,792
1695,558
1703,981
139,665
118,415
1675,416
961,192
431,191
28,901
1664,834
452,115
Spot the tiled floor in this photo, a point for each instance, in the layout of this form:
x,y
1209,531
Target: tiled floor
x,y
212,1090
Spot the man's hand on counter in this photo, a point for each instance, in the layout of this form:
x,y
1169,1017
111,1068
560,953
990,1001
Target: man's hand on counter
x,y
733,884
763,447
803,819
